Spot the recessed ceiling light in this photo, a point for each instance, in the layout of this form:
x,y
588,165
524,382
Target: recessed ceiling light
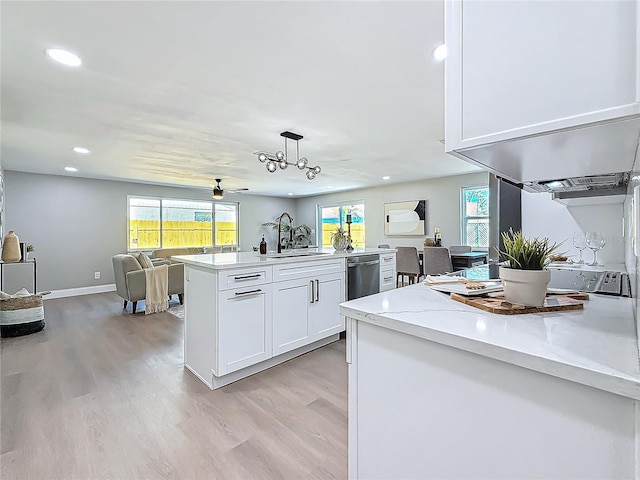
x,y
386,177
81,150
289,193
440,53
64,57
71,169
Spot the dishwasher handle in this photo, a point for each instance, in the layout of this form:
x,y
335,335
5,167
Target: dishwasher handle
x,y
359,264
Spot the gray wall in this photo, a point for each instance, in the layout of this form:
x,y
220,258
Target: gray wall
x,y
76,225
443,207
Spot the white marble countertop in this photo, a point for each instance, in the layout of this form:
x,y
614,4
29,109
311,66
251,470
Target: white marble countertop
x,y
597,346
223,261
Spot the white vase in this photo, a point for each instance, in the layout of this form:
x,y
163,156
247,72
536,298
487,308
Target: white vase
x,y
525,287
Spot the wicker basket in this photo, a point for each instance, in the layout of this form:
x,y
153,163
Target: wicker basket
x,y
21,315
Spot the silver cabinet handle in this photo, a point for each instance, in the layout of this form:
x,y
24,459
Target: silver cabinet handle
x,y
388,279
250,292
352,265
246,277
317,290
313,293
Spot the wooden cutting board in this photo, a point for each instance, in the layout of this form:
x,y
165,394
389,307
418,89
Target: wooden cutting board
x,y
499,305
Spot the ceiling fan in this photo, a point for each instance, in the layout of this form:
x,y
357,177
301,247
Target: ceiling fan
x,y
218,193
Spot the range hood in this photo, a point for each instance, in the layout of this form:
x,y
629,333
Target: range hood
x,y
583,161
580,187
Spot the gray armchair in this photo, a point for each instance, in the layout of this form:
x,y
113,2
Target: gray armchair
x,y
131,283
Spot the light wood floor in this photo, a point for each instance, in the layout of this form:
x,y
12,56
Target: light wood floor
x,y
102,394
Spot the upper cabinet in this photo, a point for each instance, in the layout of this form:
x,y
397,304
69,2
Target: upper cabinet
x,y
523,76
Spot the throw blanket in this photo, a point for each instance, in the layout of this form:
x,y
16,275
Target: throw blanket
x,y
157,293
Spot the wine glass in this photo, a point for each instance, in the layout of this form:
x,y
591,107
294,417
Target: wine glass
x,y
580,242
595,241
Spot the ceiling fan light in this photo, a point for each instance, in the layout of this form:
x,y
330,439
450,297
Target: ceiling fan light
x,y
302,163
262,157
271,166
280,155
311,174
217,193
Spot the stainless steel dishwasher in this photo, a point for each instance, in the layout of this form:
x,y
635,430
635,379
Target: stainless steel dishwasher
x,y
363,275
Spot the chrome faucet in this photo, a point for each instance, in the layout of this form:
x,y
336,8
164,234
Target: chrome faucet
x,y
279,230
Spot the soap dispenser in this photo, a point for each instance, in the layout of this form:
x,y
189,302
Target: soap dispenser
x,y
263,247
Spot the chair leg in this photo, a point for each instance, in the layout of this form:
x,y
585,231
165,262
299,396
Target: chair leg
x,y
181,298
125,304
133,310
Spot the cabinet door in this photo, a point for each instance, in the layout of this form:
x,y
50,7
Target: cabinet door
x,y
324,313
522,68
244,327
290,317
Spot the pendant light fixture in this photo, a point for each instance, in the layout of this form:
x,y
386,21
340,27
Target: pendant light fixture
x,y
281,159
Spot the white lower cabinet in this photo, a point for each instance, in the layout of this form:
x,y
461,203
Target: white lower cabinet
x,y
241,321
387,271
306,310
290,312
244,327
324,313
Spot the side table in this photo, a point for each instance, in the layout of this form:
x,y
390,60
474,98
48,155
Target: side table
x,y
31,262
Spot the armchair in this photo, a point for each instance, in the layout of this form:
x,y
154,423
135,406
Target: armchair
x,y
131,283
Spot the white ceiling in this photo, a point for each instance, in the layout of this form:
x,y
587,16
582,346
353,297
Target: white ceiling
x,y
183,92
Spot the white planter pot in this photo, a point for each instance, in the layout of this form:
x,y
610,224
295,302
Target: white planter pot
x,y
525,287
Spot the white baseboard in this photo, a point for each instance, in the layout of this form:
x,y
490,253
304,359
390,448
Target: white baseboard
x,y
73,292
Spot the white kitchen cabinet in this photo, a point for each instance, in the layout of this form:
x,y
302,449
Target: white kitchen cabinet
x,y
244,327
387,271
306,309
290,311
520,68
543,90
324,313
241,320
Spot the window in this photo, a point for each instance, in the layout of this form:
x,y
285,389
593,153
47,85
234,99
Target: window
x,y
165,222
475,216
334,216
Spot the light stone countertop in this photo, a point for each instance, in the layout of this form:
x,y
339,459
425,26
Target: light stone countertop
x,y
597,346
224,261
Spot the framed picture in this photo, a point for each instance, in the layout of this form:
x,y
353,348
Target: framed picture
x,y
405,218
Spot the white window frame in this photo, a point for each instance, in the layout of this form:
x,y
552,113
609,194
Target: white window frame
x,y
464,218
213,218
319,208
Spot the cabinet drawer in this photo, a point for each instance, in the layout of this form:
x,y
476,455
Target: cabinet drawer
x,y
245,277
291,271
387,279
387,260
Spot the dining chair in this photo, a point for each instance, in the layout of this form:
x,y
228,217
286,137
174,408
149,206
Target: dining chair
x,y
453,249
407,264
436,261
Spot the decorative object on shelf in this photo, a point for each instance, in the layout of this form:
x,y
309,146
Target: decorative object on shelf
x,y
30,250
349,221
437,237
524,276
340,240
11,247
281,159
405,218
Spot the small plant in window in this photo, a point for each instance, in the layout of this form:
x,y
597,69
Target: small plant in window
x,y
30,247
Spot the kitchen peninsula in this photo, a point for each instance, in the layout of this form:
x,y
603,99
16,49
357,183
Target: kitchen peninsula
x,y
439,389
245,312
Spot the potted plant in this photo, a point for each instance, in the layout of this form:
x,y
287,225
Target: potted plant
x,y
523,273
340,239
